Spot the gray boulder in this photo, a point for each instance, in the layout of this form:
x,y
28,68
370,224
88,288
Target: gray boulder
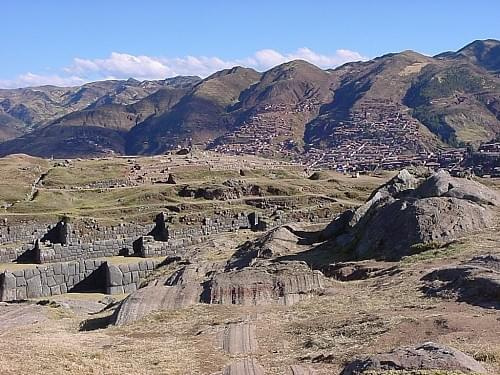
x,y
407,215
441,184
427,356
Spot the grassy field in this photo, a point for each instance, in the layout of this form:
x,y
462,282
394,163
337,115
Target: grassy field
x,y
118,189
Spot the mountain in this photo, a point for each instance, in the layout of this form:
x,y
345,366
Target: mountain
x,y
10,127
459,102
403,103
101,127
200,116
39,106
484,53
277,108
368,99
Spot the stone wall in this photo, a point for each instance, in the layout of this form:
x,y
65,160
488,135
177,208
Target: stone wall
x,y
83,276
93,232
26,232
50,253
126,278
10,254
179,238
49,280
46,252
66,242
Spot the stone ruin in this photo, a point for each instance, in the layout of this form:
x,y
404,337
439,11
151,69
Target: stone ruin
x,y
65,257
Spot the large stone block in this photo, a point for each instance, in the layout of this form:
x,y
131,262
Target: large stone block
x,y
127,278
57,268
64,268
133,267
114,276
135,276
115,289
19,273
28,273
20,281
124,268
51,281
59,279
7,287
34,287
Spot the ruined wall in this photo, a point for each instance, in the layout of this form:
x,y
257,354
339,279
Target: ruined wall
x,y
83,276
126,278
91,241
81,233
189,235
50,253
10,254
26,232
149,247
49,280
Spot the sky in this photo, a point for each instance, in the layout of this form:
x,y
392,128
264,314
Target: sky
x,y
71,42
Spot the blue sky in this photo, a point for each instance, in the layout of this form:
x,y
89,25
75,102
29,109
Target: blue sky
x,y
68,42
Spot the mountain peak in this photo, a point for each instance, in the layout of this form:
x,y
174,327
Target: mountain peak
x,y
484,53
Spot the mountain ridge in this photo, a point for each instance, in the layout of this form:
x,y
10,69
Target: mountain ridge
x,y
452,98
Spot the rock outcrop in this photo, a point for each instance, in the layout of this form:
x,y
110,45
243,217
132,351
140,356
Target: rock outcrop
x,y
276,242
427,356
408,214
283,283
476,281
266,283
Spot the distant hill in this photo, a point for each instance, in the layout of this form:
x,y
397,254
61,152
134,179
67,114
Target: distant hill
x,y
101,125
200,116
450,99
38,106
484,53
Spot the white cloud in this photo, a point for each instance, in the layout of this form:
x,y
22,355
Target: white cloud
x,y
268,58
123,65
32,79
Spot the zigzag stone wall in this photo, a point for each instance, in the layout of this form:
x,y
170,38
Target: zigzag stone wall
x,y
126,278
47,280
50,253
82,275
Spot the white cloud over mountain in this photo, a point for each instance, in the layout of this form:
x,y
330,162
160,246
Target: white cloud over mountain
x,y
122,65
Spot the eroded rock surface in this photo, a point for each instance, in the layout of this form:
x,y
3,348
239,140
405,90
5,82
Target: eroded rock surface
x,y
427,356
248,366
238,338
281,283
